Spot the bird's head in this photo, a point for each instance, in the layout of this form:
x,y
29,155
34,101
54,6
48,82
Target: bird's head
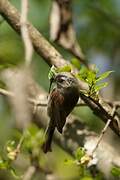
x,y
64,80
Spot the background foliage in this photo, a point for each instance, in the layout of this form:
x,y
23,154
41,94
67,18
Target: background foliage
x,y
97,24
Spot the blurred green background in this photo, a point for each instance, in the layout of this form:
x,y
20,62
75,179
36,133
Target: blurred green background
x,y
97,24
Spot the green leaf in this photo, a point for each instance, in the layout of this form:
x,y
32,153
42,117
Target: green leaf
x,y
115,171
81,77
66,68
10,146
91,78
103,76
52,72
83,70
100,86
76,63
83,73
79,153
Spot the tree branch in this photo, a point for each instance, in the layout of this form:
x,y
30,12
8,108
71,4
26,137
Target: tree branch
x,y
50,54
99,111
75,133
40,44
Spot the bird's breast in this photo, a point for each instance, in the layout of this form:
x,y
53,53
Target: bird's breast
x,y
71,96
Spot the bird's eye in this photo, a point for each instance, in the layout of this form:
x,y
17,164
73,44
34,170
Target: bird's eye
x,y
61,80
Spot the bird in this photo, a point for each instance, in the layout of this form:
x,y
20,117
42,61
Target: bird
x,y
62,99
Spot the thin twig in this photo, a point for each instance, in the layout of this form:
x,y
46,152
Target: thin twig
x,y
20,142
33,101
99,111
5,92
95,106
14,154
104,130
29,173
37,102
24,32
114,103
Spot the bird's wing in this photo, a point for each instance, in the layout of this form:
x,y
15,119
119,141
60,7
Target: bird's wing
x,y
57,112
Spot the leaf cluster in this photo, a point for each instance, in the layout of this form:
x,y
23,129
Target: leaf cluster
x,y
90,76
30,142
81,160
93,78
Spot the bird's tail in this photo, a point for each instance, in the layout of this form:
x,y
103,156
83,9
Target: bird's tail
x,y
48,139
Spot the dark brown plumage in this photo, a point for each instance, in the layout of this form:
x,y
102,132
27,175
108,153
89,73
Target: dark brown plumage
x,y
62,100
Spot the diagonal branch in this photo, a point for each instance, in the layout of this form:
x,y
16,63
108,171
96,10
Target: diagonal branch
x,y
99,111
40,44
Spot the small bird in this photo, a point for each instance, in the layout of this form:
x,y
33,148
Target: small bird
x,y
61,102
